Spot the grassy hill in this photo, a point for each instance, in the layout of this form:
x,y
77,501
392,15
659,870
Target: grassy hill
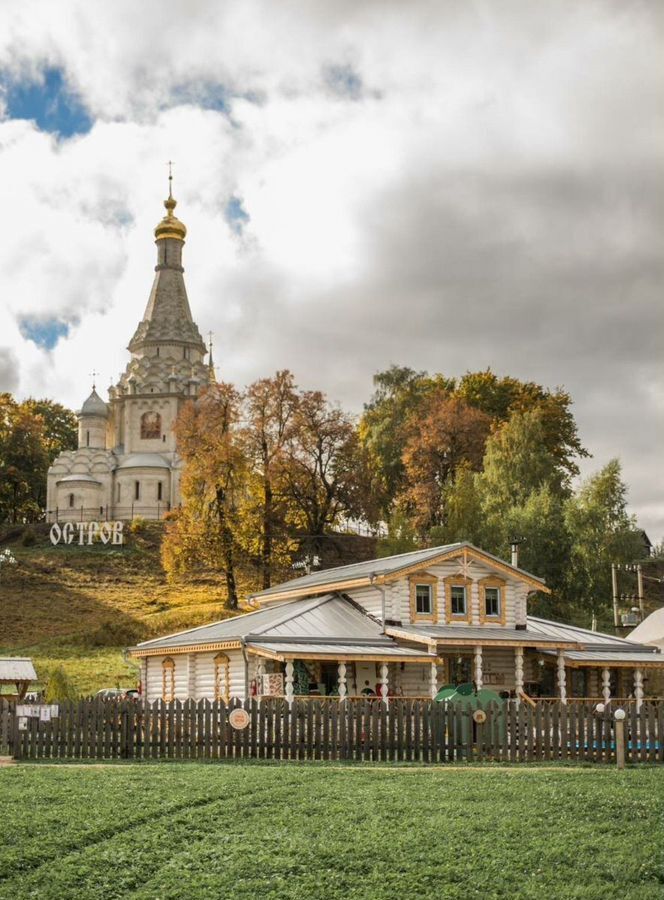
x,y
80,607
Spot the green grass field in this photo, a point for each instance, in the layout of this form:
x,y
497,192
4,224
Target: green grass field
x,y
317,831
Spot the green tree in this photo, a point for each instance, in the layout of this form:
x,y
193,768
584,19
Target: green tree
x,y
59,686
23,462
464,516
602,532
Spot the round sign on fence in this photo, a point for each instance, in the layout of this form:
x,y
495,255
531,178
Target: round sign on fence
x,y
479,716
238,719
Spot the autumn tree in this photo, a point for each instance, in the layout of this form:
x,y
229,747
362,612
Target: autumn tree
x,y
32,433
208,530
270,416
443,434
322,466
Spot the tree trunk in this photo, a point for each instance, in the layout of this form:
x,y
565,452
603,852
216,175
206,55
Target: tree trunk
x,y
266,561
227,546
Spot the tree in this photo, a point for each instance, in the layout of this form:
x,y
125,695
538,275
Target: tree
x,y
59,686
32,433
602,532
464,517
214,483
398,394
322,466
443,435
270,410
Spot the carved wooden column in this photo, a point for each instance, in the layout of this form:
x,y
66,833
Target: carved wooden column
x,y
342,681
638,688
606,685
478,667
434,680
383,682
518,671
562,689
260,671
289,682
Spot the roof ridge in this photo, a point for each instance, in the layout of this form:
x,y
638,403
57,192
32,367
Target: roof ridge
x,y
312,603
579,628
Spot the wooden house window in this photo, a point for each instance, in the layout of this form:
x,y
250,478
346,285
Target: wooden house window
x,y
492,601
222,677
423,597
457,598
168,680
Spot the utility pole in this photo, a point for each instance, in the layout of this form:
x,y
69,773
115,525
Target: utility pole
x,y
639,589
614,582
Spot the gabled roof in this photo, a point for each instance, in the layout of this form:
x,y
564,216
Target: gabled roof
x,y
385,569
17,668
330,619
590,639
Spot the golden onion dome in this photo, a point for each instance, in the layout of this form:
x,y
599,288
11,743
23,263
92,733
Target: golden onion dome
x,y
170,226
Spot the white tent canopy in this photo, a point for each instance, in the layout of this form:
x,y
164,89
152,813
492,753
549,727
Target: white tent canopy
x,y
651,630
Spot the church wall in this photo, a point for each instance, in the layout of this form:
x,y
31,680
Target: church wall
x,y
124,493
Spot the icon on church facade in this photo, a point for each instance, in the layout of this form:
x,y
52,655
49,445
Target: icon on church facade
x,y
150,426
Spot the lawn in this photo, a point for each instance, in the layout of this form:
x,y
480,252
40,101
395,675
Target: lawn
x,y
190,830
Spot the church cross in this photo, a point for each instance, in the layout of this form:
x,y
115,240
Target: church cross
x,y
93,375
170,177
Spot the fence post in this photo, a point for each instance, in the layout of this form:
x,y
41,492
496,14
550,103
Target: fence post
x,y
619,716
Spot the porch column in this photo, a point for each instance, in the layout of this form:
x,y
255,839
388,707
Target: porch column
x,y
478,667
434,680
383,682
289,682
606,685
638,688
342,680
518,671
562,690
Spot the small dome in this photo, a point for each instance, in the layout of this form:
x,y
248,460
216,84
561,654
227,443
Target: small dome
x,y
94,406
144,461
170,226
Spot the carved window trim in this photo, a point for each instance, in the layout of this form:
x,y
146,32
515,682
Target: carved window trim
x,y
222,677
168,679
458,581
492,581
432,582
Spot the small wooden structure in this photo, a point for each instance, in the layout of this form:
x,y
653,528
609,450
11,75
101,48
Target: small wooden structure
x,y
16,676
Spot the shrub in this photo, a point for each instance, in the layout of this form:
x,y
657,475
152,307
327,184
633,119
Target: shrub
x,y
138,525
28,538
59,686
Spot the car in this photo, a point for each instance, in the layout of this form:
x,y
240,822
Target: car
x,y
118,694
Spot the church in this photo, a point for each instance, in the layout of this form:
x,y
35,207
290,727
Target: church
x,y
127,464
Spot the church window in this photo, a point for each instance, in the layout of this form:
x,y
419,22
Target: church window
x,y
117,494
168,680
157,351
137,490
222,677
160,490
150,426
71,500
87,438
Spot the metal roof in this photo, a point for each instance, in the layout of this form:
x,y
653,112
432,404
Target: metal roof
x,y
478,633
330,616
648,657
312,650
144,461
386,565
17,669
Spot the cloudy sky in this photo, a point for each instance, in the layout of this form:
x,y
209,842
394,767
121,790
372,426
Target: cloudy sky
x,y
444,185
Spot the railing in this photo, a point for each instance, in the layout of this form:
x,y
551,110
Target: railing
x,y
107,513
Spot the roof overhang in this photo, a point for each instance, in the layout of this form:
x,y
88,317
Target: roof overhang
x,y
371,654
439,643
141,652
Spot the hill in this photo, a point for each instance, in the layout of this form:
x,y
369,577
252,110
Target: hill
x,y
80,606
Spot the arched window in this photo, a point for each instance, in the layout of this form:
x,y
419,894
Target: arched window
x,y
150,426
71,500
168,680
222,677
87,438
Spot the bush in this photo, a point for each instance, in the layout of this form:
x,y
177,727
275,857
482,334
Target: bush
x,y
28,538
59,687
138,525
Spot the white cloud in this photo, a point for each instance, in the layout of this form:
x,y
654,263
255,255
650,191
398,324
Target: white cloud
x,y
486,194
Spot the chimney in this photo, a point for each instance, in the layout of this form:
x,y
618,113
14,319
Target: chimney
x,y
515,554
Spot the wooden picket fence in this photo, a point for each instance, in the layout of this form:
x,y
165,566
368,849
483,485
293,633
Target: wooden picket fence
x,y
325,729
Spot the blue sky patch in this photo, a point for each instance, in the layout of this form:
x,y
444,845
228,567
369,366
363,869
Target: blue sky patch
x,y
343,81
43,332
236,215
49,103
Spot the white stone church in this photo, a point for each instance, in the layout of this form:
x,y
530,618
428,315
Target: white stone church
x,y
126,463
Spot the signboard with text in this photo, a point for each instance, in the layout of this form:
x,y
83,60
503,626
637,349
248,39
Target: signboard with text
x,y
87,533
